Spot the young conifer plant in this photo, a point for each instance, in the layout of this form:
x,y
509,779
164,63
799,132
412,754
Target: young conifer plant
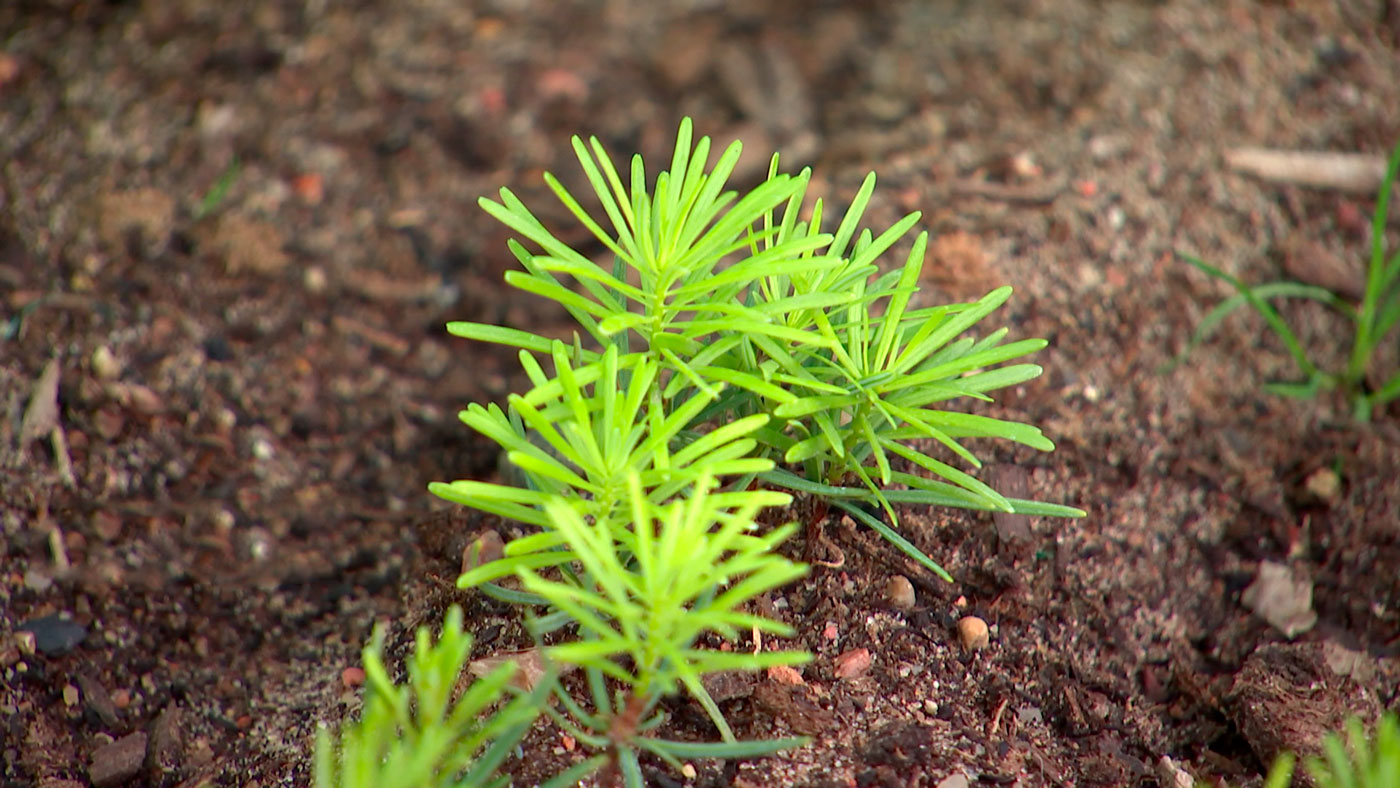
x,y
732,334
731,353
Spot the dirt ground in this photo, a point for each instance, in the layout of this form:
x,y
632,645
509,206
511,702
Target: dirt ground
x,y
253,386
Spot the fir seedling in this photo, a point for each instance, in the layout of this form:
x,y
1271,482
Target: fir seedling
x,y
732,349
424,734
732,328
1373,319
642,589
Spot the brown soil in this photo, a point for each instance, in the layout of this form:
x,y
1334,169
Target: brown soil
x,y
253,400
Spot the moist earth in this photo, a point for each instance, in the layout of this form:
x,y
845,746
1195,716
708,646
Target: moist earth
x,y
232,234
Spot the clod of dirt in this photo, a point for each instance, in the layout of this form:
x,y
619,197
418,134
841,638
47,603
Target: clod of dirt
x,y
138,219
1287,698
973,633
248,246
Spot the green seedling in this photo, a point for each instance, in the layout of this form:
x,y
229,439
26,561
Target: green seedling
x,y
642,587
1373,319
730,354
423,734
731,332
219,190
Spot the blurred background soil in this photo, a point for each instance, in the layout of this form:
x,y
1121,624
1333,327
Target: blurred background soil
x,y
231,233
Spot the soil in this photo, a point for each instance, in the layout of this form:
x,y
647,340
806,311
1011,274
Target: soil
x,y
222,403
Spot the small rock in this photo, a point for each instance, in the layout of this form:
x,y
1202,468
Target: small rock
x,y
115,763
1170,775
262,449
108,525
98,700
42,414
25,643
853,663
167,745
785,674
973,633
105,366
1325,485
482,550
314,279
1282,599
899,593
37,580
70,695
138,398
54,634
352,677
955,780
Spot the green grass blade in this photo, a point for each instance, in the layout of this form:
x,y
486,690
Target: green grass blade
x,y
893,537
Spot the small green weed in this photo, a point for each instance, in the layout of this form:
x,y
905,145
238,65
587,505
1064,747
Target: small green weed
x,y
1358,761
1374,319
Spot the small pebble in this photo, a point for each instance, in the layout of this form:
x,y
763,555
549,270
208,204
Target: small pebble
x,y
785,674
853,663
115,763
973,633
37,580
104,364
70,695
54,634
167,743
899,592
98,701
1324,485
314,279
352,677
262,449
482,550
25,642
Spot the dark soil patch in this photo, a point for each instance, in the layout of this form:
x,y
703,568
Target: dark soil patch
x,y
252,401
